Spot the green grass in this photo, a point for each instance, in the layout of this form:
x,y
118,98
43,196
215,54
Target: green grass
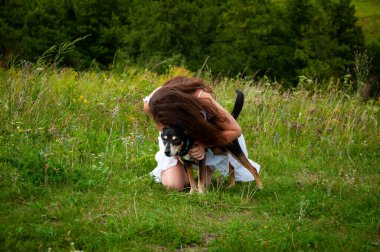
x,y
76,152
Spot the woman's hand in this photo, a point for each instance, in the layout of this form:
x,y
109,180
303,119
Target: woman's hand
x,y
197,151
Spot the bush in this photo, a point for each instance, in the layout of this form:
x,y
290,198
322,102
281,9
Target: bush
x,y
230,37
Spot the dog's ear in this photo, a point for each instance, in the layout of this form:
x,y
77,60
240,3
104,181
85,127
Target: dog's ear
x,y
185,132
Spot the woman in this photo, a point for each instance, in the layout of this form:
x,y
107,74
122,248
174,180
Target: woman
x,y
188,103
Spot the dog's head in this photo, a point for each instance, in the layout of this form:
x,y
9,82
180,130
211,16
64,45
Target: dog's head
x,y
175,140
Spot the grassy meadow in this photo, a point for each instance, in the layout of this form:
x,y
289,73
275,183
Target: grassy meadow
x,y
76,152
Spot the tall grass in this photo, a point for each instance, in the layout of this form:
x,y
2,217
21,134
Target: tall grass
x,y
76,152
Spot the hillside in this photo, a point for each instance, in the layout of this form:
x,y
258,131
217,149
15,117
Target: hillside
x,y
76,152
368,12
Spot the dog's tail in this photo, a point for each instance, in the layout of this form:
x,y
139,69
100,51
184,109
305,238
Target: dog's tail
x,y
238,106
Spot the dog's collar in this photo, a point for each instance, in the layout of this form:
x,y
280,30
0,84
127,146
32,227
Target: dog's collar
x,y
186,148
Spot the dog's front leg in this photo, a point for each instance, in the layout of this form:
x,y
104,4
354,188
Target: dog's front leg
x,y
190,175
232,175
202,176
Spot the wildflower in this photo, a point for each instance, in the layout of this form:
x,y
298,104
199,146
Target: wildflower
x,y
275,138
85,101
297,126
53,131
74,100
115,111
81,97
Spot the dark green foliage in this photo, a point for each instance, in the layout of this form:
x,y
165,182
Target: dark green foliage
x,y
323,36
162,30
314,38
241,38
374,75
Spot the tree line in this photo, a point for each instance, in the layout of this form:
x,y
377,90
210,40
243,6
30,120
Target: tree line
x,y
250,37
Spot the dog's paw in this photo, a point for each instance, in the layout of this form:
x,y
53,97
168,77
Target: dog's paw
x,y
193,190
260,185
202,190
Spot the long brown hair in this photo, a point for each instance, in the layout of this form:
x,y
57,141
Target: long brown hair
x,y
174,105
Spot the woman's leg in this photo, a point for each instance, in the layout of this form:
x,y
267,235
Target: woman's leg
x,y
175,177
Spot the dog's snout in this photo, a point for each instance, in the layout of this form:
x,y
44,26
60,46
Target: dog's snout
x,y
167,153
167,150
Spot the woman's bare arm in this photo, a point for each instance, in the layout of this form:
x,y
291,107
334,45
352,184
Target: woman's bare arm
x,y
231,129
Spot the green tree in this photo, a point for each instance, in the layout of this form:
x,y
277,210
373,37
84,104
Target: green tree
x,y
313,37
162,30
241,37
323,37
105,22
11,28
344,26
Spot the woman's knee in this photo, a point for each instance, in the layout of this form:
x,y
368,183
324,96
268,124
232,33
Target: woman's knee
x,y
174,178
174,185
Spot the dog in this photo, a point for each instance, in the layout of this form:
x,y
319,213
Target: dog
x,y
177,143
